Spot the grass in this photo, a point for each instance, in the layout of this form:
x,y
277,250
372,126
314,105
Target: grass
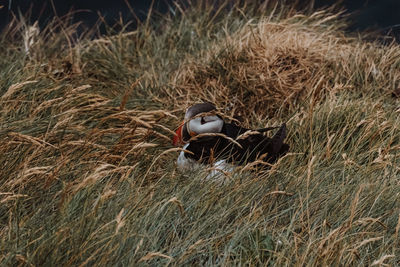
x,y
88,172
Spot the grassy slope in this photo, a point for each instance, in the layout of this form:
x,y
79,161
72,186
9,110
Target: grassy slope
x,y
88,173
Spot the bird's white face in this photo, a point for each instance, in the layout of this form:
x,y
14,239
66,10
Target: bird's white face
x,y
195,124
206,124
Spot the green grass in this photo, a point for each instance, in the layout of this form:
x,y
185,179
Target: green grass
x,y
88,172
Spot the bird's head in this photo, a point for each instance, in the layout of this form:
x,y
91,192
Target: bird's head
x,y
198,120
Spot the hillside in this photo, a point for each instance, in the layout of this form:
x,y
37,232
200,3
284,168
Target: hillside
x,y
88,172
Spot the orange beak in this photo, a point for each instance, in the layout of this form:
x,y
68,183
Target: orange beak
x,y
177,140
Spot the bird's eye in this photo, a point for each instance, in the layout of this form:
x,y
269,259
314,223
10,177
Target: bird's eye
x,y
203,121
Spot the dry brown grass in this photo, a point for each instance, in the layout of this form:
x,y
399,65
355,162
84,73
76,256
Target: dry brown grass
x,y
273,68
88,173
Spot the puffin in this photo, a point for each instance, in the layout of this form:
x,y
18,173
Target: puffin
x,y
208,140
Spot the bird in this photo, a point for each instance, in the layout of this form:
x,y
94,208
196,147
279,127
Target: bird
x,y
208,140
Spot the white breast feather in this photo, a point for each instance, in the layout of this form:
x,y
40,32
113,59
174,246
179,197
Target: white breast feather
x,y
217,170
185,163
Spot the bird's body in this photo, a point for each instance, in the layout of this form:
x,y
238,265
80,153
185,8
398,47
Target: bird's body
x,y
210,140
234,149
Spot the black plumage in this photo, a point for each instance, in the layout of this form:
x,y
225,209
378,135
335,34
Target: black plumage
x,y
238,145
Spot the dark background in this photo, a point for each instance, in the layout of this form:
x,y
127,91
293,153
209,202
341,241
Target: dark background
x,y
377,14
381,15
86,11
